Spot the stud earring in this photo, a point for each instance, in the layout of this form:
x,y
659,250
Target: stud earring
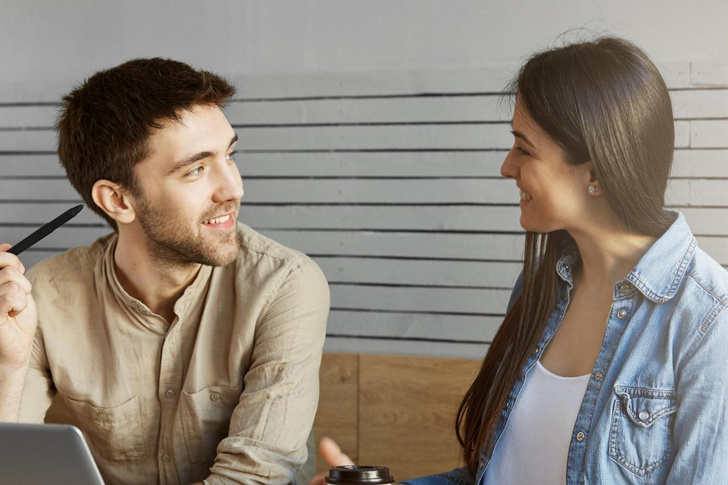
x,y
593,189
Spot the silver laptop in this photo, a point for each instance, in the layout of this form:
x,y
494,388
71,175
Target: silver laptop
x,y
34,454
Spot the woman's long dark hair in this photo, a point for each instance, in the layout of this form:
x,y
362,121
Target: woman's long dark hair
x,y
603,101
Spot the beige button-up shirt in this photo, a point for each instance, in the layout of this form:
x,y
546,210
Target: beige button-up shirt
x,y
227,392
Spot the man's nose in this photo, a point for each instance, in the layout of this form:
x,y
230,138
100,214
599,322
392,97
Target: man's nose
x,y
230,185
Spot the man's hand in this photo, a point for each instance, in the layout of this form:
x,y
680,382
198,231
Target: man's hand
x,y
18,316
333,456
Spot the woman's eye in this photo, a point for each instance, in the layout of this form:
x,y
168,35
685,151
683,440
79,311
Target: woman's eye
x,y
522,151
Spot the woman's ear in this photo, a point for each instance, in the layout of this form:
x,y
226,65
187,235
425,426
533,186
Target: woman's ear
x,y
114,200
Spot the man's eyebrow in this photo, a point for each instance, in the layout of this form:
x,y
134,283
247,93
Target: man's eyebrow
x,y
523,137
197,156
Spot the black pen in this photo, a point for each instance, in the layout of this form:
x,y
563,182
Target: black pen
x,y
45,230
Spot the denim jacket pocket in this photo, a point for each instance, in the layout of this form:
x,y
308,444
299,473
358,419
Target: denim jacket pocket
x,y
115,433
640,435
206,420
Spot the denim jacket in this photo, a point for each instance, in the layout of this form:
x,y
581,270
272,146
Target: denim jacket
x,y
656,407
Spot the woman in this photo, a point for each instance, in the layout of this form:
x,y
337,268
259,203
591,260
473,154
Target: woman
x,y
611,364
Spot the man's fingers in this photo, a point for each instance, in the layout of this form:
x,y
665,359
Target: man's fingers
x,y
331,452
8,259
11,279
318,480
12,304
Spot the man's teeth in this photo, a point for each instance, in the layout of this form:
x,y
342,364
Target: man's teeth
x,y
525,195
217,220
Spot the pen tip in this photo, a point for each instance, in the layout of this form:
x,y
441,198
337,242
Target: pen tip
x,y
77,209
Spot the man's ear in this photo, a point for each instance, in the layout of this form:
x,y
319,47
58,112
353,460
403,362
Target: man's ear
x,y
114,200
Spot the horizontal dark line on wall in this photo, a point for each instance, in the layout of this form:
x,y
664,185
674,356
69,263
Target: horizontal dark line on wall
x,y
410,285
417,312
409,339
378,150
389,231
372,123
369,96
66,225
26,128
19,104
27,152
297,177
411,258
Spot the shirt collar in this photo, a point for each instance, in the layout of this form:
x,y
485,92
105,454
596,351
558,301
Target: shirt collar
x,y
659,272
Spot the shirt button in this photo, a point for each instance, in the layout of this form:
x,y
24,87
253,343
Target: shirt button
x,y
214,397
580,436
166,458
169,393
598,376
644,415
621,313
624,288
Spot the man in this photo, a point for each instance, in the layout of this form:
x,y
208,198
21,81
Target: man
x,y
185,345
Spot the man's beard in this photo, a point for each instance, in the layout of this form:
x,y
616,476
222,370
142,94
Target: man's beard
x,y
170,242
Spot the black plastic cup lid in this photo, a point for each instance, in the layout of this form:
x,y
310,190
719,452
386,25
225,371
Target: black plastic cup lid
x,y
355,474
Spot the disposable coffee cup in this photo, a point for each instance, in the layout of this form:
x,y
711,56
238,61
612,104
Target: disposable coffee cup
x,y
359,475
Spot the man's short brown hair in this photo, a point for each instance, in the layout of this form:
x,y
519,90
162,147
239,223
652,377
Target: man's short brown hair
x,y
106,122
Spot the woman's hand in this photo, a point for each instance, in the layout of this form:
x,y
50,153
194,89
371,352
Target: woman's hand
x,y
333,456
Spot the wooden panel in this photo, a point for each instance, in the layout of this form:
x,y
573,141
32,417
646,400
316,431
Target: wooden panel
x,y
460,301
700,103
421,326
338,414
418,272
334,164
265,217
422,348
28,116
378,191
407,411
709,134
370,110
507,247
709,74
700,163
466,136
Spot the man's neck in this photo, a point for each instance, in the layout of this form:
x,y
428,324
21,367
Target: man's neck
x,y
157,284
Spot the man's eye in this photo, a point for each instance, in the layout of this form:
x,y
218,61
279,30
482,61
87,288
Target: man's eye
x,y
231,156
195,171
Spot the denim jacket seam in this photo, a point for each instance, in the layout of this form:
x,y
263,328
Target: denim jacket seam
x,y
707,290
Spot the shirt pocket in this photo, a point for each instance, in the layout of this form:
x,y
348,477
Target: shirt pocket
x,y
640,437
206,420
115,433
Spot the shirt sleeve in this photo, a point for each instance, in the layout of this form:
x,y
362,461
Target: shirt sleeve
x,y
700,437
39,391
458,476
271,423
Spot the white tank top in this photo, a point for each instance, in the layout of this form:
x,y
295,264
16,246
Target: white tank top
x,y
535,444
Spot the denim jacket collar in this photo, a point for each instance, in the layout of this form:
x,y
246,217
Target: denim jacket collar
x,y
659,272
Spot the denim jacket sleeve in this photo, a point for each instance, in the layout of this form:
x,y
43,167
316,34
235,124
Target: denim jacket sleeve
x,y
458,476
700,436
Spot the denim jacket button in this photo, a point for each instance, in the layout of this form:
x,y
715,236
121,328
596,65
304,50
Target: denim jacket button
x,y
598,376
580,436
481,464
644,415
624,288
621,314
